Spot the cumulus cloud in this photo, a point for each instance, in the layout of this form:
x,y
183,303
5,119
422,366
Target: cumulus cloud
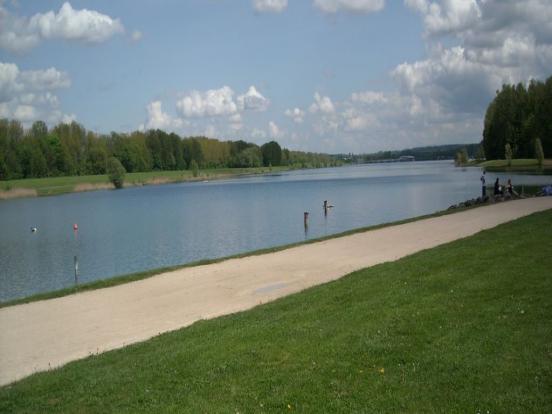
x,y
447,16
196,110
214,102
352,6
28,95
273,130
296,114
25,113
221,102
270,6
257,134
45,79
442,98
19,34
252,100
368,97
235,122
499,41
157,119
322,104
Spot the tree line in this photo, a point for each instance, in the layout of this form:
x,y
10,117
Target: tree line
x,y
429,153
69,149
518,121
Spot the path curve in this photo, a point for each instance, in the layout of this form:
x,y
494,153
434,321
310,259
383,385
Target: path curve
x,y
47,334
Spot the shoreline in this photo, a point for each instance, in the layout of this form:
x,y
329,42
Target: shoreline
x,y
53,186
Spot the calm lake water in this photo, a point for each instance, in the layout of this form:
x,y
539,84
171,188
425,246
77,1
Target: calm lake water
x,y
135,229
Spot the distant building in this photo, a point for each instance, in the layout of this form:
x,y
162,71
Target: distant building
x,y
406,158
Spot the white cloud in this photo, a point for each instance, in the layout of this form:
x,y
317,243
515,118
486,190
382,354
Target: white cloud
x,y
235,122
448,15
18,34
420,5
214,102
368,97
252,100
498,42
273,130
270,6
39,99
358,121
157,119
296,114
25,113
27,95
48,79
322,104
353,6
258,134
9,82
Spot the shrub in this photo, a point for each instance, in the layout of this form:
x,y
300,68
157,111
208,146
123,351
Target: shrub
x,y
116,172
195,168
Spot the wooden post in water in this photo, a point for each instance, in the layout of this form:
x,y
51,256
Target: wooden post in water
x,y
76,270
306,218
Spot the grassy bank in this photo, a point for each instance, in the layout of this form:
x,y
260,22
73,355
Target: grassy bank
x,y
60,185
517,165
462,328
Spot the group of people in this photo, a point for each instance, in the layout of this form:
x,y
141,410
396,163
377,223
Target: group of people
x,y
498,188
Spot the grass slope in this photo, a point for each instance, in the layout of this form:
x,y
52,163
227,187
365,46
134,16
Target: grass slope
x,y
462,328
519,165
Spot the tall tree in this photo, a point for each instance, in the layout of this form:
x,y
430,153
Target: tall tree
x,y
272,153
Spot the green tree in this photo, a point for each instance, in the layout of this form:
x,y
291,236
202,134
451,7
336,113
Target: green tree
x,y
37,163
116,172
461,157
250,157
272,154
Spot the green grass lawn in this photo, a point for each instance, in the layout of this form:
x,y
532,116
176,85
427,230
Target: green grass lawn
x,y
61,185
462,328
529,165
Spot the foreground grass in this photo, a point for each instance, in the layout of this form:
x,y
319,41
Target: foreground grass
x,y
462,328
60,185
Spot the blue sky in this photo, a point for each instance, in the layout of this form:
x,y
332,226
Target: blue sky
x,y
316,75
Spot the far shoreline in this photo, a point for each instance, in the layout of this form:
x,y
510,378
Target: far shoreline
x,y
52,186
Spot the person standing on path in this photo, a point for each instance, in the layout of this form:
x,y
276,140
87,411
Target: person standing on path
x,y
483,188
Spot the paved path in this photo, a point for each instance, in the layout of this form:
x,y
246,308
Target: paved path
x,y
40,335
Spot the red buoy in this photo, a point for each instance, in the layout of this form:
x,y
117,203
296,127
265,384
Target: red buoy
x,y
75,227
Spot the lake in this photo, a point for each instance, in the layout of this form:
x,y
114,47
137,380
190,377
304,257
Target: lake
x,y
135,229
